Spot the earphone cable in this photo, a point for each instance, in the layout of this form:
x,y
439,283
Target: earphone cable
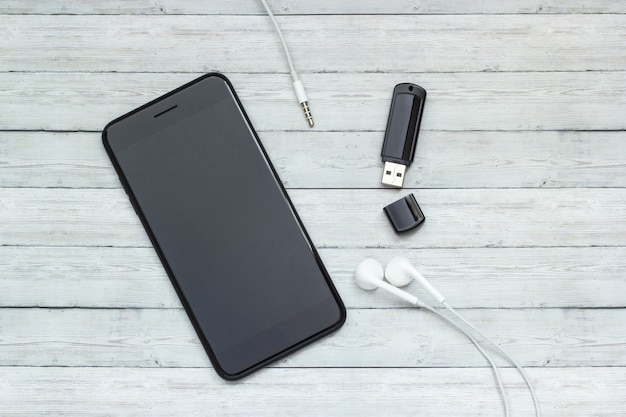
x,y
292,69
480,349
297,84
503,353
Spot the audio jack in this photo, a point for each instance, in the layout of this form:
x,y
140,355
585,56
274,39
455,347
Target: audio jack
x,y
297,84
304,102
307,113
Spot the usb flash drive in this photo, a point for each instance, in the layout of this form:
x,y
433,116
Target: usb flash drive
x,y
402,130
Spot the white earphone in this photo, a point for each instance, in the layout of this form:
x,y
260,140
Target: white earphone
x,y
400,272
369,276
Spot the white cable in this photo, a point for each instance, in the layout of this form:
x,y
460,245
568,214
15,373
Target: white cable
x,y
480,349
297,84
294,74
503,353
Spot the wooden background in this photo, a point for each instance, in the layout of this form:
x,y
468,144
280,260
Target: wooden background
x,y
520,170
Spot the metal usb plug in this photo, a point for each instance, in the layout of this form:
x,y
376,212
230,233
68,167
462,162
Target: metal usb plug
x,y
393,174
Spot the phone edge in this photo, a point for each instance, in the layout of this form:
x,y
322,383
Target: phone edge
x,y
205,343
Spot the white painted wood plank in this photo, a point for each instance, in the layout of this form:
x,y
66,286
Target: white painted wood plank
x,y
370,338
350,110
563,392
343,102
285,7
317,43
470,278
344,218
313,159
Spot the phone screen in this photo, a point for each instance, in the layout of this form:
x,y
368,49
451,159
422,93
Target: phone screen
x,y
245,269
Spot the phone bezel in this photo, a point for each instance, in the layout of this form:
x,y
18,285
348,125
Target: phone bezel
x,y
221,372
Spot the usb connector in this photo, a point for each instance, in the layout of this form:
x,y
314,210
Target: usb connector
x,y
402,130
393,174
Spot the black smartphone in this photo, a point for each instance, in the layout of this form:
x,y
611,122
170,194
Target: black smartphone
x,y
223,226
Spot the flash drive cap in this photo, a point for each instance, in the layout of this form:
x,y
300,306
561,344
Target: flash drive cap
x,y
405,214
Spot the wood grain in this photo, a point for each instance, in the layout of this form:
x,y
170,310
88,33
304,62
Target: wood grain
x,y
471,278
340,102
286,7
461,218
351,159
520,172
317,43
565,392
370,338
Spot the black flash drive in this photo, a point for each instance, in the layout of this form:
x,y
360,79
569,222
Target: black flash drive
x,y
403,125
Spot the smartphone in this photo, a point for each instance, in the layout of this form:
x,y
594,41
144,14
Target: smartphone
x,y
224,228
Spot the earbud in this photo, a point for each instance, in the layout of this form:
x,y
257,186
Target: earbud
x,y
369,276
400,272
